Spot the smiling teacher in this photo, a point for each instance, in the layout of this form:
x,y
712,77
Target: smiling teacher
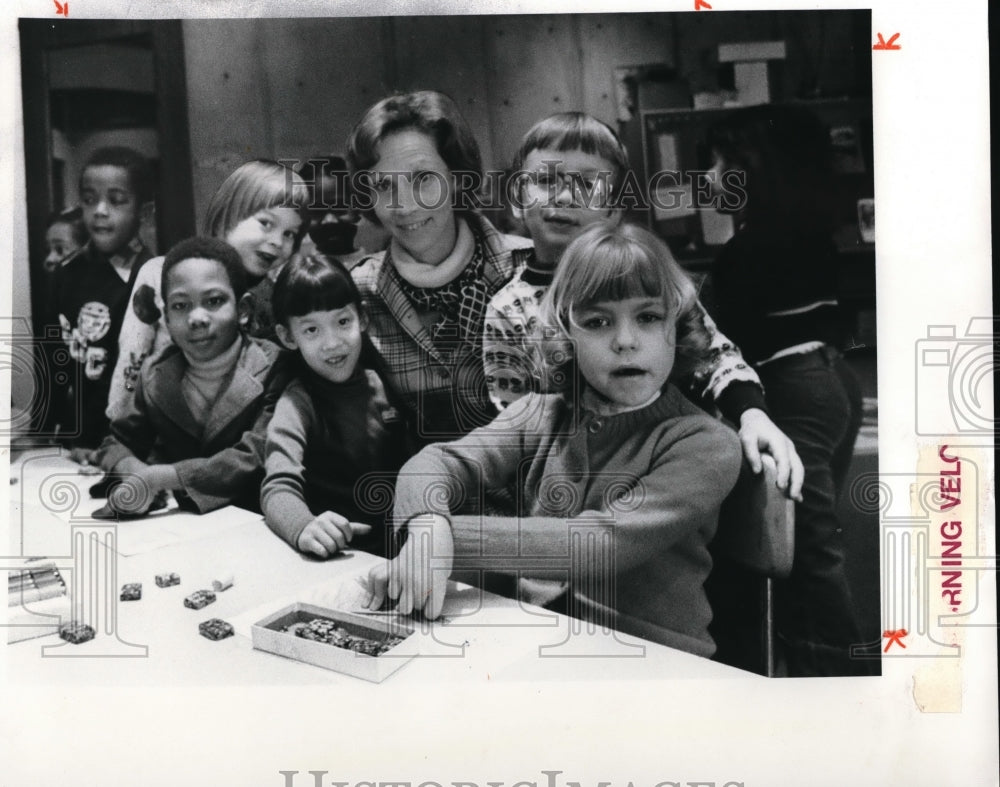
x,y
426,295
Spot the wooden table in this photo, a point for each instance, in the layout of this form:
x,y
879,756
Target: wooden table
x,y
155,641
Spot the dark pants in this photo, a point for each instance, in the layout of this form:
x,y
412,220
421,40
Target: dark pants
x,y
815,399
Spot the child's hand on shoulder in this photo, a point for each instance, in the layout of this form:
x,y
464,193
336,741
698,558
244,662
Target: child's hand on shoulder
x,y
759,434
418,575
328,534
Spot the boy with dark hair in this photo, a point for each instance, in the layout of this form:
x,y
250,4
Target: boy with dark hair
x,y
197,422
90,291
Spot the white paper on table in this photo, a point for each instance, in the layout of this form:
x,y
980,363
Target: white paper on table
x,y
38,530
160,530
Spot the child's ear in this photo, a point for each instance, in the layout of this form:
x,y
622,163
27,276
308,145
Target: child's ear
x,y
516,195
363,318
244,309
285,337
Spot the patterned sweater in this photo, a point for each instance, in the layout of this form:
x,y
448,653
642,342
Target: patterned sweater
x,y
440,378
89,302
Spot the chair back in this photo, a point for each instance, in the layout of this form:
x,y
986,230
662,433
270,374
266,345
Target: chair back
x,y
757,524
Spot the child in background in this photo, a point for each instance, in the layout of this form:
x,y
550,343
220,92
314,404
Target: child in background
x,y
775,286
90,292
337,424
566,171
260,210
333,224
64,237
622,440
197,422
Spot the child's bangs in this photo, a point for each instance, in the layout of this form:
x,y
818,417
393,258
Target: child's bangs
x,y
615,264
280,190
313,284
619,272
309,292
567,138
563,140
255,186
573,131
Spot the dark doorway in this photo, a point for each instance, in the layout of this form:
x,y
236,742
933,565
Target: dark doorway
x,y
87,83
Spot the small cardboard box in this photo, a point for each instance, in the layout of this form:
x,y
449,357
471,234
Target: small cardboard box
x,y
271,635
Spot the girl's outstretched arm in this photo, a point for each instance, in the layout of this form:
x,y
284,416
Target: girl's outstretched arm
x,y
445,478
679,496
695,466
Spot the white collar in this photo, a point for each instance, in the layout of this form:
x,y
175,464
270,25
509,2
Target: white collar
x,y
425,276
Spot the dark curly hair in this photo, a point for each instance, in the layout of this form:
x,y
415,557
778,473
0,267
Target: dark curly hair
x,y
207,249
140,171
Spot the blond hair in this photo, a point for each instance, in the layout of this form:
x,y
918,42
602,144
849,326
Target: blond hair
x,y
256,185
617,263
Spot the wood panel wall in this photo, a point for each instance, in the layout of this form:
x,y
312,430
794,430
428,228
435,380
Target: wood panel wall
x,y
293,88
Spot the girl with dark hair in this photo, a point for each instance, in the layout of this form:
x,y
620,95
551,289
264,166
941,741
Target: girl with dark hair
x,y
338,435
776,295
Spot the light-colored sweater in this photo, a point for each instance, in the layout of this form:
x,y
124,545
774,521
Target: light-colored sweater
x,y
204,380
646,484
